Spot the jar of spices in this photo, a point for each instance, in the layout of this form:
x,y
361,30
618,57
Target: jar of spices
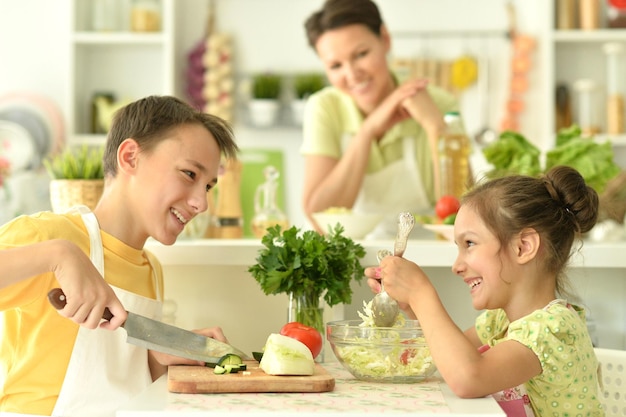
x,y
565,14
589,14
615,87
145,16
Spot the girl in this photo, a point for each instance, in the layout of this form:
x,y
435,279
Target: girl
x,y
161,158
529,346
369,141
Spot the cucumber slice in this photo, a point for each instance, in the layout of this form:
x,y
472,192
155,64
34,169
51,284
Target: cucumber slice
x,y
230,359
257,356
231,369
219,370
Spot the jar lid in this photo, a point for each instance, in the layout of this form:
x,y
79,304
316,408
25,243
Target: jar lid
x,y
585,84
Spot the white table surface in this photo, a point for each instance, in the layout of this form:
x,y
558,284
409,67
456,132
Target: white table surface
x,y
350,397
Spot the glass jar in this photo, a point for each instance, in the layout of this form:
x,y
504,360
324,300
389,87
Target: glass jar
x,y
615,87
589,14
587,104
105,15
266,210
454,152
565,14
308,309
145,16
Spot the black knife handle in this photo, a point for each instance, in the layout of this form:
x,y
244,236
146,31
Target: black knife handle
x,y
57,298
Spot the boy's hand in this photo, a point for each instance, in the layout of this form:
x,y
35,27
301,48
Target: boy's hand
x,y
87,293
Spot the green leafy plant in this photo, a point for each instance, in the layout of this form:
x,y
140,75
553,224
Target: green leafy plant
x,y
306,84
309,263
74,163
266,86
513,154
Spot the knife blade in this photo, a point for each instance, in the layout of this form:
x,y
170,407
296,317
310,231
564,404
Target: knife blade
x,y
162,337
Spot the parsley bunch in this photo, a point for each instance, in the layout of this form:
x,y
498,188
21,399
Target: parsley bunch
x,y
309,263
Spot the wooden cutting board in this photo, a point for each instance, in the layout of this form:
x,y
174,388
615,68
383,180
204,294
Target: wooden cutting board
x,y
202,380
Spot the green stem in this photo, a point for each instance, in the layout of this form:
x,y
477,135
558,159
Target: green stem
x,y
307,310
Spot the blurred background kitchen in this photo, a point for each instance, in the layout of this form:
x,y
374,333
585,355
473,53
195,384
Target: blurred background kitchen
x,y
66,65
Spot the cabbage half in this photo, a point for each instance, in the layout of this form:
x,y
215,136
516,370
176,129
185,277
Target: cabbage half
x,y
283,355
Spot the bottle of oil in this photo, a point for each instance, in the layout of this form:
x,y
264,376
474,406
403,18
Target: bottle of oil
x,y
454,153
266,211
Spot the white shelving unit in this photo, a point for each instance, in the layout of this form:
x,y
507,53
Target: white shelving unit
x,y
128,64
577,54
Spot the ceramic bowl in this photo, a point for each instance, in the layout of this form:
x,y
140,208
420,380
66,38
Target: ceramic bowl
x,y
381,354
442,231
355,225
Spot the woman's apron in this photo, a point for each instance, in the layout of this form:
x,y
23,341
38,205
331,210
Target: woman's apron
x,y
394,189
104,371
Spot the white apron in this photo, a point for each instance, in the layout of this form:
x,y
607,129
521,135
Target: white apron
x,y
104,371
396,188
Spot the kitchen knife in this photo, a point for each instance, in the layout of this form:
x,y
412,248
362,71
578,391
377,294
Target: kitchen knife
x,y
155,335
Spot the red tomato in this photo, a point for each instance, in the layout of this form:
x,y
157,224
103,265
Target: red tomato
x,y
305,334
407,354
447,205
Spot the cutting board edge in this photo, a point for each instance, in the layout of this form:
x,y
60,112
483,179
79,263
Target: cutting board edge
x,y
320,381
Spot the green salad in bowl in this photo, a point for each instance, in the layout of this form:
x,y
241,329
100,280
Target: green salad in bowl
x,y
397,354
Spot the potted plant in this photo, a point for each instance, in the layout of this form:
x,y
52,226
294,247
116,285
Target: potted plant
x,y
265,101
309,267
303,86
77,177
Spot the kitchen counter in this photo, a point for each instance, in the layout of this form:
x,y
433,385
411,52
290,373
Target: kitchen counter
x,y
426,252
202,275
350,397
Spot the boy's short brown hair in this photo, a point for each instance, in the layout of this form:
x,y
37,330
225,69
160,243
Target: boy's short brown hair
x,y
149,120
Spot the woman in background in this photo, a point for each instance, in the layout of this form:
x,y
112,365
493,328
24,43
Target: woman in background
x,y
369,141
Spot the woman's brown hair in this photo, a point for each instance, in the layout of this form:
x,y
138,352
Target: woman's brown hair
x,y
336,14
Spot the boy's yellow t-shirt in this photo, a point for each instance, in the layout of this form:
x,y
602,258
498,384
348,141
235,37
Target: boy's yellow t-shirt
x,y
37,341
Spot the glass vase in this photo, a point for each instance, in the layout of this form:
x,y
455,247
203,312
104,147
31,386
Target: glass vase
x,y
305,309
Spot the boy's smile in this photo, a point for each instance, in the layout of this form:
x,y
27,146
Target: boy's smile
x,y
167,184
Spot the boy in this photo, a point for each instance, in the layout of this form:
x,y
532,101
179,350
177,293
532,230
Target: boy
x,y
161,158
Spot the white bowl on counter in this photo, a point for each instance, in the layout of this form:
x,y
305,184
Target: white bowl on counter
x,y
442,231
355,225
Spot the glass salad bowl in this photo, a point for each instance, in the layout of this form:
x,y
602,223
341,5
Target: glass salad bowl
x,y
381,354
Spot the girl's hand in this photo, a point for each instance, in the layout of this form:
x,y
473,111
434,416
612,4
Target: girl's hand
x,y
373,281
403,279
392,110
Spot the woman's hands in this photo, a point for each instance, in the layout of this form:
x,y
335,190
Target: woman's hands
x,y
421,107
393,109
